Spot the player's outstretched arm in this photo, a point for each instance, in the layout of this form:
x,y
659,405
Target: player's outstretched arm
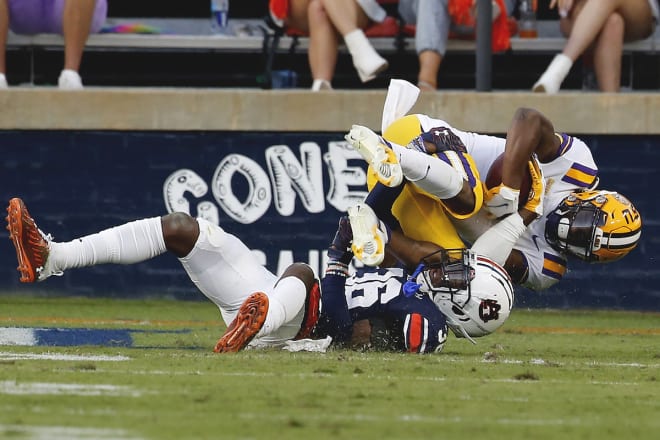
x,y
530,132
409,251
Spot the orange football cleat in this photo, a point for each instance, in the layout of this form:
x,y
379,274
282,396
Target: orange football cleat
x,y
249,320
30,243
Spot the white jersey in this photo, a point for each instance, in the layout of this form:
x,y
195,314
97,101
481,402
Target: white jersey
x,y
573,168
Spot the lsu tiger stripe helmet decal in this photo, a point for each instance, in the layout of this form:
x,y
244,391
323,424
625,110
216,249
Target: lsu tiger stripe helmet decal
x,y
594,226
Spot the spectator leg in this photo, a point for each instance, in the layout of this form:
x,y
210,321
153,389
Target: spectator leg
x,y
429,65
76,23
4,28
608,51
323,45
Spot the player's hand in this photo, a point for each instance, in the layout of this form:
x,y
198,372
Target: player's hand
x,y
501,200
537,191
340,248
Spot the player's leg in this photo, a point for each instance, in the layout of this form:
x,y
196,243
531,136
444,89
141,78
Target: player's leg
x,y
289,311
448,175
39,257
253,302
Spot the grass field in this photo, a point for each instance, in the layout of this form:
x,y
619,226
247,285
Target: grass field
x,y
544,375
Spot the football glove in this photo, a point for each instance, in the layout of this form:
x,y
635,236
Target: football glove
x,y
340,248
537,190
502,200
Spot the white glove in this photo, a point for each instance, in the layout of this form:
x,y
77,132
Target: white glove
x,y
502,200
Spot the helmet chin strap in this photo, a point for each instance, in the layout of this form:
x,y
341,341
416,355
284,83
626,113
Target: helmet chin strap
x,y
411,287
454,325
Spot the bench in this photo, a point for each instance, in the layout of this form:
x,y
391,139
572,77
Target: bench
x,y
253,36
190,34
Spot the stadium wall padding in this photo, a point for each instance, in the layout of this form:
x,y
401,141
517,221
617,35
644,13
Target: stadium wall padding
x,y
281,191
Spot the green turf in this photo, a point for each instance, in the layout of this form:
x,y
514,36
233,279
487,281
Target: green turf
x,y
544,375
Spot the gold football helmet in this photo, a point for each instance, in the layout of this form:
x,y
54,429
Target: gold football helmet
x,y
594,226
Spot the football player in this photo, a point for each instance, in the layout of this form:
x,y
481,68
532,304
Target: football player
x,y
450,288
573,220
259,308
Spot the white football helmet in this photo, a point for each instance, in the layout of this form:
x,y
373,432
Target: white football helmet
x,y
473,292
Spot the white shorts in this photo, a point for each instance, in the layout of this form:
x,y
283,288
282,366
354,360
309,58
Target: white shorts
x,y
226,271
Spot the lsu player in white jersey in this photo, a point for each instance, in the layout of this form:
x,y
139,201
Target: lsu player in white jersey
x,y
595,226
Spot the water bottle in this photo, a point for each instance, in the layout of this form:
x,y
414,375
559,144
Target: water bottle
x,y
527,22
219,16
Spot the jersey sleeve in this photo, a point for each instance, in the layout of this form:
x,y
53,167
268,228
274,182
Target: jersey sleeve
x,y
545,266
573,168
423,326
335,319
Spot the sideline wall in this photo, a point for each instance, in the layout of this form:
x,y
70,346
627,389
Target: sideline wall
x,y
272,167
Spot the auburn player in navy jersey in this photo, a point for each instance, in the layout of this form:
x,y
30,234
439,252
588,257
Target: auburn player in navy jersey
x,y
449,289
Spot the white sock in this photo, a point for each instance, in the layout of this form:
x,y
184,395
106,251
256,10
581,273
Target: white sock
x,y
126,244
560,66
366,60
357,43
321,84
429,173
284,303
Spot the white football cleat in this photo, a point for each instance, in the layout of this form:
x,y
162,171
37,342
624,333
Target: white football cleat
x,y
380,157
368,239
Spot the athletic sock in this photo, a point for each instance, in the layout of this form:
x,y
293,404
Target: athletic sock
x,y
429,172
285,302
125,244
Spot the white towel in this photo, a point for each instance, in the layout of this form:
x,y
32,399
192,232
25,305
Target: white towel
x,y
401,96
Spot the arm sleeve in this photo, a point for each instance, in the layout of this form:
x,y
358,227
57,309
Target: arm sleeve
x,y
335,319
496,243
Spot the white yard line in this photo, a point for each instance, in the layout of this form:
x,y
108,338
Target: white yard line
x,y
9,356
32,432
13,387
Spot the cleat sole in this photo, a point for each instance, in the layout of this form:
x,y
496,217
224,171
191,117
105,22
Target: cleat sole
x,y
249,320
15,228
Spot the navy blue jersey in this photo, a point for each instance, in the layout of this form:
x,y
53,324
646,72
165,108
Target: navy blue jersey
x,y
415,323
